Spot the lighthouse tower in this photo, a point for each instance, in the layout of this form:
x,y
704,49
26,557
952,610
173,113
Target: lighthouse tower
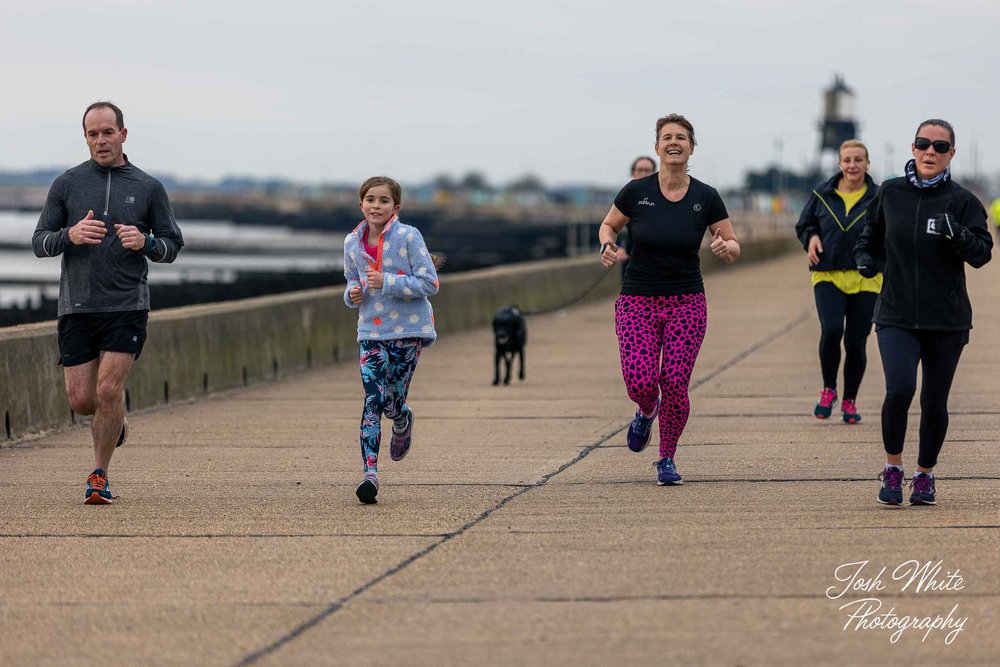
x,y
838,124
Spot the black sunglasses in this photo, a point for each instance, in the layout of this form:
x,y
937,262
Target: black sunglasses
x,y
923,143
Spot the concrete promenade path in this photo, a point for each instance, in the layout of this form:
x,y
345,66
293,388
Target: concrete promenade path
x,y
520,530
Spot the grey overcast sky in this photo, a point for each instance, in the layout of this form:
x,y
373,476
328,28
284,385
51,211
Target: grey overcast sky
x,y
329,90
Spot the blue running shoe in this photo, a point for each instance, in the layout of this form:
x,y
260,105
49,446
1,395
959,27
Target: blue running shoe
x,y
923,490
640,431
98,491
400,443
891,492
368,488
666,473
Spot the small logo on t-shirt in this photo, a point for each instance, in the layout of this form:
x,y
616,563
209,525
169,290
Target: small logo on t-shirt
x,y
645,202
129,200
697,207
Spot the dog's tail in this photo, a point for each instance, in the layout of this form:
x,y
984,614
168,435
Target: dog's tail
x,y
438,259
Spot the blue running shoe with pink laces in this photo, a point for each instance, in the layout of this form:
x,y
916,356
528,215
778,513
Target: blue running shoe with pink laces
x,y
640,431
923,490
891,492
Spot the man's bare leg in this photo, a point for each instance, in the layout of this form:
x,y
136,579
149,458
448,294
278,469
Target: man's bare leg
x,y
112,373
81,387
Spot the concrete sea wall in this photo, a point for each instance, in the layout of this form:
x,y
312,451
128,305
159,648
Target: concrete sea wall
x,y
195,350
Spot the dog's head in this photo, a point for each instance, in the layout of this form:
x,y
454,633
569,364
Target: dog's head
x,y
506,323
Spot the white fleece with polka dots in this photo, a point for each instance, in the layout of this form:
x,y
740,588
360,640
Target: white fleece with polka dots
x,y
400,309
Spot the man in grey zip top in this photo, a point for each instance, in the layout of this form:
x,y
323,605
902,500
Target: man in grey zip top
x,y
105,217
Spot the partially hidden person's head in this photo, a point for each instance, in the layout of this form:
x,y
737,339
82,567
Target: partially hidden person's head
x,y
675,140
105,132
642,166
380,198
854,162
933,147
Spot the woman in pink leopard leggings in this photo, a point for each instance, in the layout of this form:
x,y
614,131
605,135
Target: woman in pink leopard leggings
x,y
661,315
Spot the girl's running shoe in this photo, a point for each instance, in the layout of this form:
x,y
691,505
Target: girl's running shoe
x,y
368,488
850,412
400,443
827,399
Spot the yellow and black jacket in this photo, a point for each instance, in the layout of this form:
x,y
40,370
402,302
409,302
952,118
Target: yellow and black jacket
x,y
825,215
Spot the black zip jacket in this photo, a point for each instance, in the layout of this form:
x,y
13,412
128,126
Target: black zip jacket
x,y
107,277
825,216
924,278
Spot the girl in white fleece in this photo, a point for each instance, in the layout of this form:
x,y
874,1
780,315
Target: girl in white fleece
x,y
389,275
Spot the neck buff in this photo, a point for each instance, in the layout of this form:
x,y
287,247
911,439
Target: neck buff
x,y
911,175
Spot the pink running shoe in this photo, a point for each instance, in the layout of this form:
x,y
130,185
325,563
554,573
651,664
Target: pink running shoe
x,y
827,399
850,412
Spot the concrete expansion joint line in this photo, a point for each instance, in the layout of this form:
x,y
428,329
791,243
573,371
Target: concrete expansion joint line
x,y
297,631
762,343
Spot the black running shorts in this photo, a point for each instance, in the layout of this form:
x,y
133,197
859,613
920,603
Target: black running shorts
x,y
83,336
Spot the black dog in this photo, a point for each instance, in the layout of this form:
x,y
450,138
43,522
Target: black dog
x,y
511,334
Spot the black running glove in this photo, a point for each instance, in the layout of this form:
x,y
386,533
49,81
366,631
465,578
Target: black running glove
x,y
946,225
866,265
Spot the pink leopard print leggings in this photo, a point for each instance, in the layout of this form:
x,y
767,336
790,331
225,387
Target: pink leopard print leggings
x,y
659,338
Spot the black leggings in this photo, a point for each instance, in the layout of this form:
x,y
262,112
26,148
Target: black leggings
x,y
938,353
834,308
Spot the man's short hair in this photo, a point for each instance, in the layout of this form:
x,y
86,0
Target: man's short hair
x,y
119,116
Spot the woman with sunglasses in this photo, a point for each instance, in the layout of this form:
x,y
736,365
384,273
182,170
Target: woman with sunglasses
x,y
661,315
828,228
926,227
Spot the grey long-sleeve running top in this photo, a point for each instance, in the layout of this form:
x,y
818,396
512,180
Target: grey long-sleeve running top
x,y
107,277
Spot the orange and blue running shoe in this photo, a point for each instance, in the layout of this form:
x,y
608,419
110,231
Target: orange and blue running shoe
x,y
827,399
123,436
850,412
98,491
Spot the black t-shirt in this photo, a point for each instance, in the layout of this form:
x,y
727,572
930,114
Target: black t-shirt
x,y
666,236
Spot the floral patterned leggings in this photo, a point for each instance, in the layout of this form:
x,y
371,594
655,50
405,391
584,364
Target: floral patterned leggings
x,y
386,370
